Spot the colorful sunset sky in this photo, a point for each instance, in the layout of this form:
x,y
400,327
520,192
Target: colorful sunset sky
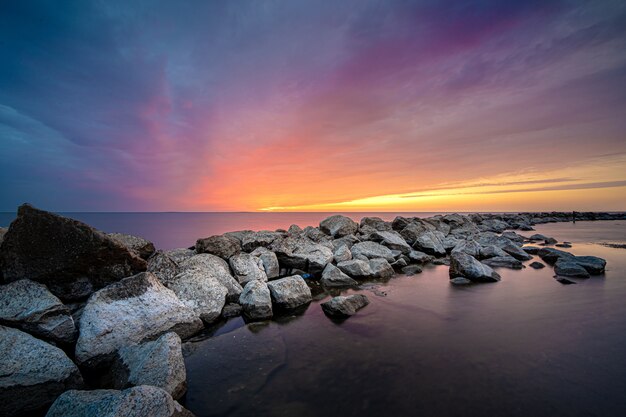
x,y
313,105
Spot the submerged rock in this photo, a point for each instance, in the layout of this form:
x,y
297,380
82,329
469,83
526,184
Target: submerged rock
x,y
138,401
466,266
247,268
537,265
29,306
290,292
140,246
70,257
338,226
565,281
223,246
32,373
334,277
256,300
460,281
344,306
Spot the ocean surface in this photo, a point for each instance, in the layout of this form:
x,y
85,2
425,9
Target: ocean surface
x,y
525,346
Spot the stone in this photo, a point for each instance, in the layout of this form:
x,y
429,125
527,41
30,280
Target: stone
x,y
430,243
29,306
334,277
392,240
344,306
294,229
138,245
466,266
212,266
532,250
256,300
141,401
33,373
504,262
568,268
348,241
356,268
200,292
338,226
491,251
411,270
223,246
302,253
3,231
494,225
372,250
269,260
469,246
419,257
563,245
231,310
537,265
246,268
450,242
565,281
593,264
262,239
71,258
414,230
342,253
376,223
130,311
400,223
514,237
551,255
158,363
162,266
399,264
381,269
289,292
460,281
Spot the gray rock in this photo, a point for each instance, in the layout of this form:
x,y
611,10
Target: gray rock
x,y
212,266
71,258
537,265
269,260
247,268
30,307
136,309
342,253
392,240
516,252
338,226
460,281
532,250
568,268
294,229
180,255
32,373
158,363
315,234
491,251
141,401
399,264
302,253
344,306
514,237
333,277
450,242
411,270
430,243
289,292
231,310
381,268
162,266
356,268
504,262
372,250
400,223
593,264
138,245
200,292
256,300
469,246
262,239
419,257
223,246
348,240
466,266
376,223
414,230
551,255
494,225
565,281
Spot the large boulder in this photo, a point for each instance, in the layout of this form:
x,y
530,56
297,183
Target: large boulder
x,y
256,301
29,305
392,240
131,311
334,277
212,266
289,292
419,257
141,401
158,363
466,266
376,223
338,226
202,293
70,257
551,255
247,268
138,245
491,251
593,264
262,239
567,267
269,260
342,253
469,246
223,246
344,306
372,250
381,268
302,253
356,268
503,262
33,373
430,243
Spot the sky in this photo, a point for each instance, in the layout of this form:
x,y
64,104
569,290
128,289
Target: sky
x,y
316,105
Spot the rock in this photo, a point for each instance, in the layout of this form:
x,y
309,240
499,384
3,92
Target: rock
x,y
256,300
532,250
231,310
551,255
269,260
294,229
342,254
138,245
247,268
356,268
399,264
491,251
180,255
411,270
158,363
262,239
162,266
128,312
223,246
442,261
215,267
565,281
547,240
29,306
450,242
400,223
514,237
372,250
494,225
32,373
568,268
3,231
563,245
315,234
344,306
289,292
348,241
420,257
381,268
537,265
141,401
302,253
200,292
430,243
515,251
414,230
333,277
593,264
392,240
469,246
71,258
338,226
460,281
466,266
504,262
376,223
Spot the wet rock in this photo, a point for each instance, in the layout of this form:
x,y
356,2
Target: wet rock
x,y
269,260
372,250
392,240
334,277
593,264
381,269
531,250
32,373
344,306
302,253
430,243
138,401
140,246
355,268
211,266
223,246
289,292
399,264
200,292
466,266
128,312
566,267
343,253
551,255
71,258
411,270
460,281
246,268
565,281
537,265
29,306
158,363
338,226
503,262
256,300
231,310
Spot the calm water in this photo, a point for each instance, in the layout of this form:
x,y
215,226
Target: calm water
x,y
526,346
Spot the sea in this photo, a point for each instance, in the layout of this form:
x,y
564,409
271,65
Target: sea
x,y
524,346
